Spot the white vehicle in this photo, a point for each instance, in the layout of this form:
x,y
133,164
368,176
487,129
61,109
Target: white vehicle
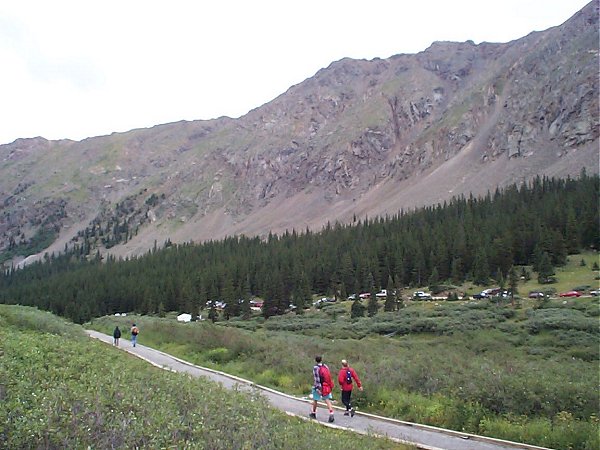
x,y
421,295
324,300
383,293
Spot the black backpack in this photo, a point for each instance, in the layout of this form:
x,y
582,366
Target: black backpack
x,y
348,376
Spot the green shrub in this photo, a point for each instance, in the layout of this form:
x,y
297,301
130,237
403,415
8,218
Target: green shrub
x,y
29,318
218,355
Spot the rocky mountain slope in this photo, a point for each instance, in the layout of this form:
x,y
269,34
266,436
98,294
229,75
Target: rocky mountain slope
x,y
360,138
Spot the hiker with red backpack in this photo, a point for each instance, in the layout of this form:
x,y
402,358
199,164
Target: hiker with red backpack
x,y
134,333
322,388
345,377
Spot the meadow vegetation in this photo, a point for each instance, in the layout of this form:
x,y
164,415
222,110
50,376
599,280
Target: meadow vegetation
x,y
60,389
526,373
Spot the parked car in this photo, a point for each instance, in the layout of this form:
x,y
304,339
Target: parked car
x,y
382,293
570,294
365,295
480,296
324,300
352,297
256,305
421,295
217,304
595,292
536,294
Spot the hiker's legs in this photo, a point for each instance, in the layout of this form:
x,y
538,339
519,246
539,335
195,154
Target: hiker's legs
x,y
346,399
313,410
330,407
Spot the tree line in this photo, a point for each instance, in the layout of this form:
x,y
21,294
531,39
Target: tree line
x,y
465,239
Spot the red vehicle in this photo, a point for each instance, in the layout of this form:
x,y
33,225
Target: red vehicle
x,y
570,294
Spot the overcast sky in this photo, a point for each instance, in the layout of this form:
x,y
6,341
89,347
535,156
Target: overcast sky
x,y
75,69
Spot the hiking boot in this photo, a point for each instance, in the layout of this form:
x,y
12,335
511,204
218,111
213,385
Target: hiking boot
x,y
313,415
352,412
347,413
331,419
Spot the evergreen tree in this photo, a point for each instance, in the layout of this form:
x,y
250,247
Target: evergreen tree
x,y
481,272
433,279
399,278
500,278
456,272
342,293
546,271
357,309
232,307
572,233
304,295
513,282
212,312
372,306
390,298
245,296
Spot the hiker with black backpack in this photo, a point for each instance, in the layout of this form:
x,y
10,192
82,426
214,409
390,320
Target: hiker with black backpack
x,y
345,377
116,336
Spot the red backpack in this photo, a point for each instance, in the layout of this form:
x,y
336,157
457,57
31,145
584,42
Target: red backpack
x,y
325,377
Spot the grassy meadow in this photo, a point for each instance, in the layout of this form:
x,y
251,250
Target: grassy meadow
x,y
527,373
60,389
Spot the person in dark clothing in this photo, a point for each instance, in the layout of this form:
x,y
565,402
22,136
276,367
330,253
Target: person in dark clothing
x,y
345,377
116,336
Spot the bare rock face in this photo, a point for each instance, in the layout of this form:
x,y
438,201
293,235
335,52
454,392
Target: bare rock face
x,y
359,137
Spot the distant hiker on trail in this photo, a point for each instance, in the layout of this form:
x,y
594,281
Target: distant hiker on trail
x,y
345,377
134,332
116,336
322,387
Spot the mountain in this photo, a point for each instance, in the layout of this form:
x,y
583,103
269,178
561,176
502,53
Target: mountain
x,y
359,138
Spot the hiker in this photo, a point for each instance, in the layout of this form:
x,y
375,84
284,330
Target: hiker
x,y
345,377
134,332
322,387
116,336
